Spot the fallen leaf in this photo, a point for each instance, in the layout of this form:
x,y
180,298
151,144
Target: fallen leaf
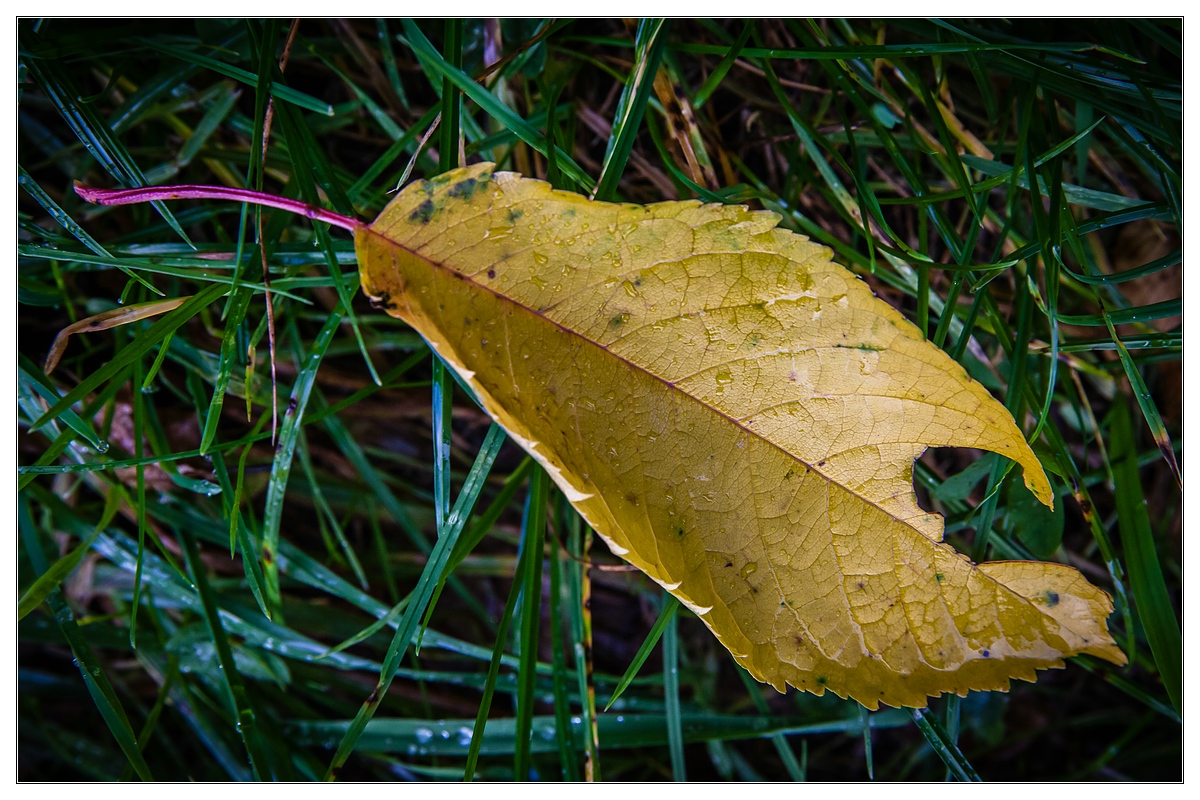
x,y
738,417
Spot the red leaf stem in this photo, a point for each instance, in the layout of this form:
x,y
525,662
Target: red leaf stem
x,y
120,197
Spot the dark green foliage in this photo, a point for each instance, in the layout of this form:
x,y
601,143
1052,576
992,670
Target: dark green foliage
x,y
205,598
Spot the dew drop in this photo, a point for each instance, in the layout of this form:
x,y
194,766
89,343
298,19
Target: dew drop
x,y
750,568
540,259
538,282
629,288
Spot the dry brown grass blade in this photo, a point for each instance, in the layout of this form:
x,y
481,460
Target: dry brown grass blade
x,y
106,320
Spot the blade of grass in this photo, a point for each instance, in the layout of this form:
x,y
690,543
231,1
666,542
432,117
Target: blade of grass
x,y
868,750
562,702
648,46
931,728
525,559
1124,316
90,669
247,724
31,187
407,627
1145,401
280,91
533,539
451,101
139,439
55,573
1145,575
236,314
285,448
489,103
638,731
669,609
36,381
579,543
443,395
722,69
92,131
674,715
1148,268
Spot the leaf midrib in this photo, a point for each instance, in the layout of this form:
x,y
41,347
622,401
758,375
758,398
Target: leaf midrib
x,y
370,229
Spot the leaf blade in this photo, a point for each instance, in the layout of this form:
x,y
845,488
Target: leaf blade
x,y
548,308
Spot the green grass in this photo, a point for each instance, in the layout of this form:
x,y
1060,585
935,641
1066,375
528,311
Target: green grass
x,y
1013,187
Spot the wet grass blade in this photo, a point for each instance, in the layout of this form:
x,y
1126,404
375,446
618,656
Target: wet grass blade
x,y
36,382
674,714
1145,401
247,724
92,131
90,669
451,100
525,559
722,69
443,396
239,305
490,103
665,615
26,182
407,627
562,702
868,745
579,541
281,464
648,45
281,91
1141,556
946,749
533,539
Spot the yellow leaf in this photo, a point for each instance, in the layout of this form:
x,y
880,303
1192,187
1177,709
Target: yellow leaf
x,y
737,416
